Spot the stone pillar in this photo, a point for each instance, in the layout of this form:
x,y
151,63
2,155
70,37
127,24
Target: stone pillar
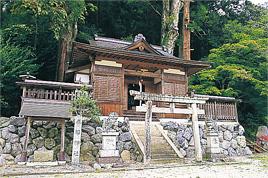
x,y
148,122
197,145
213,143
27,134
77,139
62,144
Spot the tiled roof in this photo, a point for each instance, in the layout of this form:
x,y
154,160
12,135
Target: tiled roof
x,y
117,44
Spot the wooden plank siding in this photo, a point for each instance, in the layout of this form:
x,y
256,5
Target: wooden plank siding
x,y
174,84
108,86
107,108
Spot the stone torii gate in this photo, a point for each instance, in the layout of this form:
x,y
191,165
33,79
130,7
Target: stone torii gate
x,y
149,109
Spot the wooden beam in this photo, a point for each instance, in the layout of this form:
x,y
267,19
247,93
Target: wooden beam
x,y
155,109
77,68
26,141
142,74
166,98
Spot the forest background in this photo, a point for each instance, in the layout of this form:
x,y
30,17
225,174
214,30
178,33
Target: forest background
x,y
231,34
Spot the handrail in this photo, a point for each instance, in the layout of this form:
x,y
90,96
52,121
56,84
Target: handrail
x,y
52,84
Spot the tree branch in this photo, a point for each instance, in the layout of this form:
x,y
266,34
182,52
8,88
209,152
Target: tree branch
x,y
154,8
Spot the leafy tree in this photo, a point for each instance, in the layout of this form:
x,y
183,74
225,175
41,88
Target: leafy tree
x,y
240,70
15,60
84,105
208,19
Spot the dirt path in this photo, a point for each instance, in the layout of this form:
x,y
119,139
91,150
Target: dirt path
x,y
251,168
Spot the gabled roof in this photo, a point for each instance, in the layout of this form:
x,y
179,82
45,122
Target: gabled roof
x,y
122,44
139,51
142,45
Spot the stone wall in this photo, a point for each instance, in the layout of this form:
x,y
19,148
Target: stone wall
x,y
45,135
232,141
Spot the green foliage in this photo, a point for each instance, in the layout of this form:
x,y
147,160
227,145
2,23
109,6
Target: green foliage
x,y
240,70
62,14
84,105
15,61
19,34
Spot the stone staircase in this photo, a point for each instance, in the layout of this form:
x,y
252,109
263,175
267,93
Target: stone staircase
x,y
162,152
137,116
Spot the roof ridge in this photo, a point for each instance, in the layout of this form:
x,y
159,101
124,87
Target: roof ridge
x,y
114,40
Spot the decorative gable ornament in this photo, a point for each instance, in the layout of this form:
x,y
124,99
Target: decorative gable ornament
x,y
139,37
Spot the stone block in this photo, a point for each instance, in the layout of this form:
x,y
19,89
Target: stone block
x,y
109,153
188,133
53,132
88,129
17,121
2,142
227,135
125,156
13,138
34,133
225,144
43,156
39,142
97,138
85,137
42,131
21,131
12,129
50,143
125,137
5,133
16,149
241,141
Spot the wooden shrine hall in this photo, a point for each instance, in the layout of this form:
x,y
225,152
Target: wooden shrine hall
x,y
111,68
114,67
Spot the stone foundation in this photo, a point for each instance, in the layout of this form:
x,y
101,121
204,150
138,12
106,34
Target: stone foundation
x,y
232,141
45,135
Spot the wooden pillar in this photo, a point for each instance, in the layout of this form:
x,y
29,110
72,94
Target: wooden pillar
x,y
24,92
26,141
148,122
197,145
62,141
140,85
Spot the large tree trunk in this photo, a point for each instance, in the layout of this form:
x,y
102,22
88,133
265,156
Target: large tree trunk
x,y
170,19
186,31
65,49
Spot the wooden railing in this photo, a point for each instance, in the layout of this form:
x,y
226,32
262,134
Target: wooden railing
x,y
49,90
219,108
51,94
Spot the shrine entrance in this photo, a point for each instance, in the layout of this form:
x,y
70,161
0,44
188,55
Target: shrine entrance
x,y
131,102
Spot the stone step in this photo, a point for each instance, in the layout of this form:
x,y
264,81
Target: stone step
x,y
166,160
164,155
162,150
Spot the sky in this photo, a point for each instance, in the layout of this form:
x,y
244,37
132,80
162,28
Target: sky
x,y
258,1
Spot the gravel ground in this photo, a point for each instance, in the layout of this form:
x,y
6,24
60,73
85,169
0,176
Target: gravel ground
x,y
256,166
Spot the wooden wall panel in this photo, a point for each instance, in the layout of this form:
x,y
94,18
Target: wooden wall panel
x,y
107,88
174,84
107,108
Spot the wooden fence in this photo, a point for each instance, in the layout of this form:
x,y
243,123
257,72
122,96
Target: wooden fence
x,y
219,110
